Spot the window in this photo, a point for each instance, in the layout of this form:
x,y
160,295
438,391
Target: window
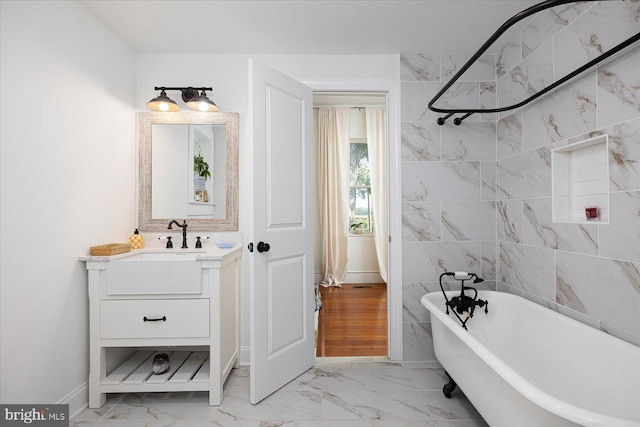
x,y
360,187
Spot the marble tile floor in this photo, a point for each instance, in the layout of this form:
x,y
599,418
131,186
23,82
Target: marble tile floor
x,y
332,394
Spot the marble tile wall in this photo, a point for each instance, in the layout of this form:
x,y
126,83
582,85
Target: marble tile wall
x,y
590,272
448,185
478,196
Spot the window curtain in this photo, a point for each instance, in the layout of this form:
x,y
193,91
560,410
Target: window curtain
x,y
333,168
376,123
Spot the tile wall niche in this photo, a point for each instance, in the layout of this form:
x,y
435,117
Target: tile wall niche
x,y
477,197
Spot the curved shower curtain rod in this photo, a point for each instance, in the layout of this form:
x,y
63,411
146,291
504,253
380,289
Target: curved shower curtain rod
x,y
516,18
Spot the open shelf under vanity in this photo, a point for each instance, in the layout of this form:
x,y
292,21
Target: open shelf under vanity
x,y
189,371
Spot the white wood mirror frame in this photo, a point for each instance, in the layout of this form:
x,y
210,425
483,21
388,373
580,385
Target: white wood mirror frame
x,y
145,122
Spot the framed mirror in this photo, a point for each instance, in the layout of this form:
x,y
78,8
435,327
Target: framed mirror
x,y
188,170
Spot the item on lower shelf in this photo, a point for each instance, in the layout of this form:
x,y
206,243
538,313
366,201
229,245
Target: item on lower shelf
x,y
160,364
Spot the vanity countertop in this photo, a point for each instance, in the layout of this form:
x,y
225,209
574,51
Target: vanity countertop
x,y
203,254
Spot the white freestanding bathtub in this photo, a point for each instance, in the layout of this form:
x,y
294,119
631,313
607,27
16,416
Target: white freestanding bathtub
x,y
524,365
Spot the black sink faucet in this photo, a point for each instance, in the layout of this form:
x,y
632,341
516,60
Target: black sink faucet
x,y
184,231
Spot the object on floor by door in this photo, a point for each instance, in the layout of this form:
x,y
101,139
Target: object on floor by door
x,y
317,297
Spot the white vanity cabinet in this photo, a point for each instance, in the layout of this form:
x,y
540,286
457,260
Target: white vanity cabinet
x,y
134,316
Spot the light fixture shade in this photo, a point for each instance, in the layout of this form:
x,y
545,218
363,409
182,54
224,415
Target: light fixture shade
x,y
163,103
202,103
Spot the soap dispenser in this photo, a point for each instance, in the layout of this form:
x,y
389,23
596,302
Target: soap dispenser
x,y
136,240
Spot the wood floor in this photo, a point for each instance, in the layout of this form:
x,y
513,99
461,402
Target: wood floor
x,y
353,321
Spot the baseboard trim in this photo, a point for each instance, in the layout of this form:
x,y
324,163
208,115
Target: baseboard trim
x,y
245,356
78,400
363,277
355,277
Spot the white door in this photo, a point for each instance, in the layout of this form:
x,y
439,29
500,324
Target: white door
x,y
281,294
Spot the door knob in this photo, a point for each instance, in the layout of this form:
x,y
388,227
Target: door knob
x,y
263,247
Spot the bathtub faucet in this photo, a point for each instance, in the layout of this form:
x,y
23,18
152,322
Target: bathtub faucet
x,y
464,305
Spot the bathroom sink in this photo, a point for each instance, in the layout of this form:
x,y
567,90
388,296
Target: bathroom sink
x,y
155,272
165,255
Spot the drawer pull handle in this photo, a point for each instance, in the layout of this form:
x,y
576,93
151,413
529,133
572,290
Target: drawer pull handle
x,y
163,318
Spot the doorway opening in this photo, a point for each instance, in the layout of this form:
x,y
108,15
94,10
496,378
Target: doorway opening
x,y
353,320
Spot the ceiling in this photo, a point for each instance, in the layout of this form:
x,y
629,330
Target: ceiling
x,y
304,26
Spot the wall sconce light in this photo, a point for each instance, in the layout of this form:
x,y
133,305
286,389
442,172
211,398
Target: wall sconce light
x,y
195,101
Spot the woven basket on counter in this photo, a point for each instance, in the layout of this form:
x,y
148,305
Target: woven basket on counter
x,y
110,249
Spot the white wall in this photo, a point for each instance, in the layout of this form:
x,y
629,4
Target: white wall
x,y
67,183
362,266
228,74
